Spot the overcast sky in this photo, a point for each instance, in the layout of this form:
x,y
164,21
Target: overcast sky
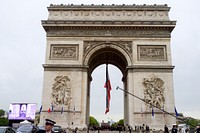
x,y
23,40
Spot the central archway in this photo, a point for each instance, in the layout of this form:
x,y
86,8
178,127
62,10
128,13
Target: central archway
x,y
98,94
107,55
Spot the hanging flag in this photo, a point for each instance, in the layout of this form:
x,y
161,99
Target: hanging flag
x,y
74,110
108,89
176,112
51,107
49,110
152,112
62,110
40,109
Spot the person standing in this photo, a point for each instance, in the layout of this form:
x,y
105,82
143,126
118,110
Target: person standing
x,y
174,129
143,128
119,128
147,129
129,128
48,127
75,130
166,130
182,130
198,128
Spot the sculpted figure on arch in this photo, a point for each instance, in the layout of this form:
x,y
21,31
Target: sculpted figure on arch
x,y
61,91
154,91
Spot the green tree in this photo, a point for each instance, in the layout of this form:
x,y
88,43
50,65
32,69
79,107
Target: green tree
x,y
93,121
193,122
114,125
3,121
121,122
2,112
180,114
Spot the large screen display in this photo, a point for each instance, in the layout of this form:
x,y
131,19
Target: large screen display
x,y
22,111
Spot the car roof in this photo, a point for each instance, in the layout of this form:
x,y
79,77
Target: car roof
x,y
5,127
57,126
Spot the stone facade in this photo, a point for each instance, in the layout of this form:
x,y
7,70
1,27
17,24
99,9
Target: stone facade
x,y
135,38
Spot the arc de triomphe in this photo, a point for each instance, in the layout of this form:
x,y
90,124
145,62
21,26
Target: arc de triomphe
x,y
134,38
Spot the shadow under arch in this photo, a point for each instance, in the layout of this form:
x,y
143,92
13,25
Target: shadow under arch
x,y
107,53
108,56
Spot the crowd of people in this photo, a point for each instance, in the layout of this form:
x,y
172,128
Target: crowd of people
x,y
142,128
146,129
125,128
176,129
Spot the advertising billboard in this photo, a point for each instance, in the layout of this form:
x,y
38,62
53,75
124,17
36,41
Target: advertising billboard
x,y
22,111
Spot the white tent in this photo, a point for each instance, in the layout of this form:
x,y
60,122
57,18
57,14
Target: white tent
x,y
25,122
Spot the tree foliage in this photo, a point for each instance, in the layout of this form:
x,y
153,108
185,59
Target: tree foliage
x,y
3,121
193,122
2,112
121,122
114,125
93,121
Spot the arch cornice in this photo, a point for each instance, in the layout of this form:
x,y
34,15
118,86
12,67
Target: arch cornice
x,y
126,29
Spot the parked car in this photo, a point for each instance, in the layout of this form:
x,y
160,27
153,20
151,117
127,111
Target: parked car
x,y
6,129
27,129
58,129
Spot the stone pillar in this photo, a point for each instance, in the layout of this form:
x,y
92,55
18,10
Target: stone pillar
x,y
84,101
75,111
125,104
130,99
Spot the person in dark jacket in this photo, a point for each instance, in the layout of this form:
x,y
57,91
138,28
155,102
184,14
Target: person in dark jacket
x,y
48,126
129,128
174,129
147,129
198,128
166,130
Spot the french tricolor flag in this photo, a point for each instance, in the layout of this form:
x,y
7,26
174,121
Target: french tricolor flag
x,y
108,89
50,109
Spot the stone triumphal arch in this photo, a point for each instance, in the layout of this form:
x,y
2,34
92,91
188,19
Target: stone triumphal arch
x,y
135,38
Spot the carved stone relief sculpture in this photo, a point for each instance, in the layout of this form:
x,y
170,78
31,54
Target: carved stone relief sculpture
x,y
154,91
64,52
151,53
61,91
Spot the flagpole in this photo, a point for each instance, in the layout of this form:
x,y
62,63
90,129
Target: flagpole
x,y
149,103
